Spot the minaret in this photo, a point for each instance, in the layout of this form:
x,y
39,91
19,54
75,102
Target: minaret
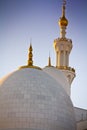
x,y
63,48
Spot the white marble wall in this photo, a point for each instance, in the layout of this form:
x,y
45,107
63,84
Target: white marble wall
x,y
81,118
82,125
81,114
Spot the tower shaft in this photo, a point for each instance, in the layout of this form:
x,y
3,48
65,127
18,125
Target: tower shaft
x,y
62,48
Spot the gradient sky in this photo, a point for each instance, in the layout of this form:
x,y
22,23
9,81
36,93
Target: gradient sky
x,y
22,20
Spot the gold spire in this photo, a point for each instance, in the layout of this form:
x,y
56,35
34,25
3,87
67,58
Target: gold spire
x,y
63,8
49,61
30,56
30,60
63,21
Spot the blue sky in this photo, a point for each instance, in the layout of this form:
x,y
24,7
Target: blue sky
x,y
22,20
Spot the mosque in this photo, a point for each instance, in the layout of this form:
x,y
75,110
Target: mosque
x,y
32,98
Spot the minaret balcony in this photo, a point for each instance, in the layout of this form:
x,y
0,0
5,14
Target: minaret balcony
x,y
66,68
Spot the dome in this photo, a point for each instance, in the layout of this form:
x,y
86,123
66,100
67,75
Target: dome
x,y
30,99
59,77
63,21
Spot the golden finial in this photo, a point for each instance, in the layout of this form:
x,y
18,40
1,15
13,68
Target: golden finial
x,y
63,21
49,60
30,56
30,60
63,8
64,2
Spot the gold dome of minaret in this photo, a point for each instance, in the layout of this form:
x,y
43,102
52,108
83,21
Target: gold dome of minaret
x,y
63,21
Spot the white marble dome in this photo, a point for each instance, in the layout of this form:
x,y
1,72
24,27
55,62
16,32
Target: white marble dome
x,y
30,99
